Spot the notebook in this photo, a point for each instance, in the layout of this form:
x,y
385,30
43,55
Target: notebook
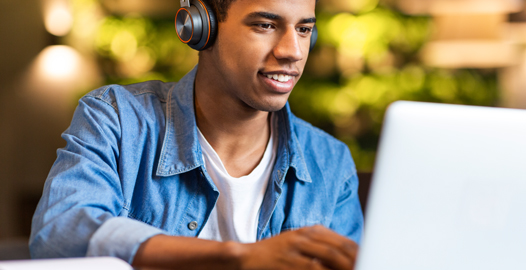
x,y
448,190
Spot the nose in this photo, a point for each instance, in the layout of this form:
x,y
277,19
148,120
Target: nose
x,y
289,46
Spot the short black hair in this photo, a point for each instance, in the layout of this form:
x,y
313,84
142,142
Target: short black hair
x,y
220,8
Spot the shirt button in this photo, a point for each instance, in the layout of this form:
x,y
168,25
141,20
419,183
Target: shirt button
x,y
192,225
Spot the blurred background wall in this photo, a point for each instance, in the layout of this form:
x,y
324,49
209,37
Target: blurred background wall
x,y
369,54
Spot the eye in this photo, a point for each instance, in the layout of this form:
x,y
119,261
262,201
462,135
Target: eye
x,y
304,29
264,26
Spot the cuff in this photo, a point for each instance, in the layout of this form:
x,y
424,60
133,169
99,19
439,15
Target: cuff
x,y
120,237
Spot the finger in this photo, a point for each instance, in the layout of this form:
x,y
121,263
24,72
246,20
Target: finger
x,y
305,262
324,235
327,255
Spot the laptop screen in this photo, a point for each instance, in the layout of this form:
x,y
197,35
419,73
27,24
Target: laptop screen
x,y
448,190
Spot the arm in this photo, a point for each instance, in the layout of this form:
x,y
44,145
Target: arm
x,y
308,248
79,211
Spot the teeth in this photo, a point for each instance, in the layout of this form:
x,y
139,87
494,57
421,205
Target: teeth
x,y
279,77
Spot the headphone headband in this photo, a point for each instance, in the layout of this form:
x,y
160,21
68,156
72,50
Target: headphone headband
x,y
185,3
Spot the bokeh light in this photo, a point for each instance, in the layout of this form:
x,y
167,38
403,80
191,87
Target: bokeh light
x,y
59,62
60,72
58,19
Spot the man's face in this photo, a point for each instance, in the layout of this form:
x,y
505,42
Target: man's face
x,y
261,50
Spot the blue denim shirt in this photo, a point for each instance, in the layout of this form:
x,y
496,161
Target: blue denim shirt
x,y
132,168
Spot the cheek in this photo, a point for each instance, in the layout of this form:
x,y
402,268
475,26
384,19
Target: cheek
x,y
247,45
232,52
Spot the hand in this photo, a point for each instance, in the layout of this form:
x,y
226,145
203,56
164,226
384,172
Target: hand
x,y
313,247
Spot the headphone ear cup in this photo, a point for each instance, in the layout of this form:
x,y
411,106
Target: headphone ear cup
x,y
196,25
212,25
313,38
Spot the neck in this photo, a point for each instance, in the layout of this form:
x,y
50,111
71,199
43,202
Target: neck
x,y
238,133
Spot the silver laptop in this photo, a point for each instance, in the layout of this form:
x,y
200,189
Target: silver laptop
x,y
448,191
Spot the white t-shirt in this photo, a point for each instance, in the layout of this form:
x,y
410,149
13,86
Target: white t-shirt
x,y
236,213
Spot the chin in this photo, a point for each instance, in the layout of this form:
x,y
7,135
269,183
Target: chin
x,y
269,104
271,107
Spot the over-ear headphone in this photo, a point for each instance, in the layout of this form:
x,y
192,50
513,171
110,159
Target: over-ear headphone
x,y
196,25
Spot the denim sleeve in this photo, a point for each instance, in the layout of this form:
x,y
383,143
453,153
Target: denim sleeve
x,y
348,217
79,211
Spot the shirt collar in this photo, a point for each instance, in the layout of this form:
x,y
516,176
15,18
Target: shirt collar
x,y
291,152
181,151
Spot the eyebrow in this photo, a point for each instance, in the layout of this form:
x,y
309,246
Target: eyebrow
x,y
276,17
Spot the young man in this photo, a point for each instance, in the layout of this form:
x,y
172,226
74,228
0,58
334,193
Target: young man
x,y
212,171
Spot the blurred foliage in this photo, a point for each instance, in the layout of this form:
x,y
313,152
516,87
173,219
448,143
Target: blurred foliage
x,y
366,60
366,57
135,49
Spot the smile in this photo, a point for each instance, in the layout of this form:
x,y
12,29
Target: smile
x,y
278,82
279,77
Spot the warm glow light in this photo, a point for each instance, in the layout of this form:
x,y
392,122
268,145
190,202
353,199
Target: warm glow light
x,y
58,19
475,6
459,6
470,54
59,62
59,72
